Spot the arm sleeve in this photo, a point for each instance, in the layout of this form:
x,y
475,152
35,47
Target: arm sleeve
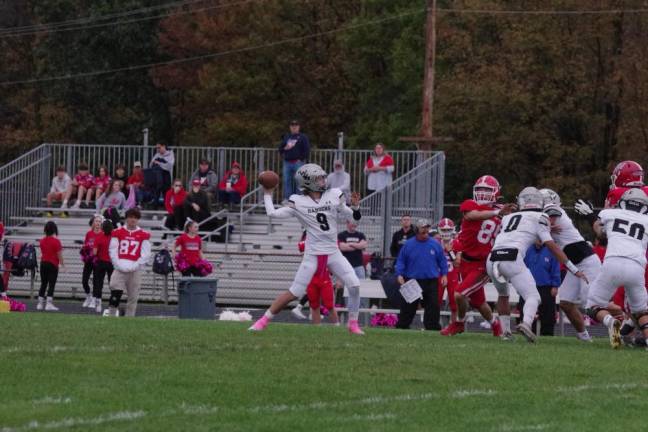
x,y
401,262
146,253
112,251
280,213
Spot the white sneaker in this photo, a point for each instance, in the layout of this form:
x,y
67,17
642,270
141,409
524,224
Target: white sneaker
x,y
49,306
64,205
88,300
485,325
110,313
584,338
97,305
297,312
41,304
77,205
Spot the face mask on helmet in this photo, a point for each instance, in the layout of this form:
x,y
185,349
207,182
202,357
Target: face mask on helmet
x,y
311,178
484,195
550,197
446,233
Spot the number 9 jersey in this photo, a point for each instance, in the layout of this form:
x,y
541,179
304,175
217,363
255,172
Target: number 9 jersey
x,y
477,236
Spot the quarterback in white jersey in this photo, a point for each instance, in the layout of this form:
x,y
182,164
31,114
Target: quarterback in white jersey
x,y
573,291
626,229
519,231
318,210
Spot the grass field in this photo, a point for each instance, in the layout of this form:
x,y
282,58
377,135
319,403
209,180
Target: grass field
x,y
70,372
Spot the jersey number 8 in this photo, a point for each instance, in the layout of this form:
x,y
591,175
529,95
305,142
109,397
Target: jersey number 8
x,y
485,234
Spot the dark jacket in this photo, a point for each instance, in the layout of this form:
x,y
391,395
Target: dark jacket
x,y
299,147
398,240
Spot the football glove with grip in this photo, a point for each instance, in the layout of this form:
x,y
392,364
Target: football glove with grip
x,y
585,209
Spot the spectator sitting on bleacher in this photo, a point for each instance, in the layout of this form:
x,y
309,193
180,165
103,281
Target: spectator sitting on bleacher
x,y
120,174
173,202
196,204
207,176
101,182
136,182
61,188
232,186
82,184
112,198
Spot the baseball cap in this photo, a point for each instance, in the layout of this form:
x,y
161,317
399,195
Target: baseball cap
x,y
422,222
137,164
294,122
195,182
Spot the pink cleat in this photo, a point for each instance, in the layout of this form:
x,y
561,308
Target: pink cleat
x,y
354,328
261,324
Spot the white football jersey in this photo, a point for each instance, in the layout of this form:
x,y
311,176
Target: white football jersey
x,y
627,233
567,234
520,230
318,217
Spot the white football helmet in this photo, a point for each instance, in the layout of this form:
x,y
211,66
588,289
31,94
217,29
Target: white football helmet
x,y
530,198
550,197
311,178
634,199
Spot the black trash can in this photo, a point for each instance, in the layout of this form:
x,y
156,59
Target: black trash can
x,y
197,298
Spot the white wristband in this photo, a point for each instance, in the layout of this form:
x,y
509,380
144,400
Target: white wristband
x,y
571,267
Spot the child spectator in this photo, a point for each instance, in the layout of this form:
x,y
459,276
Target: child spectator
x,y
130,249
101,183
233,185
190,245
61,188
51,260
136,181
120,173
173,202
112,198
83,184
103,266
88,257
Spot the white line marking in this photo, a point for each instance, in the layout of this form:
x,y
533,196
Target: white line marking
x,y
73,422
50,400
460,394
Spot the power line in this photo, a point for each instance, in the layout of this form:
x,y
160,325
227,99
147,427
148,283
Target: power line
x,y
90,19
134,20
213,55
541,12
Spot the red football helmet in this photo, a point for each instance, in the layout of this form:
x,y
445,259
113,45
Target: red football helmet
x,y
627,174
486,190
446,229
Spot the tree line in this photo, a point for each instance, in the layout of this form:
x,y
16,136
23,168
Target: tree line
x,y
547,99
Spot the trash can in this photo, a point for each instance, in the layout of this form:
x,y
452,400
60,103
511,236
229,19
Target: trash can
x,y
197,298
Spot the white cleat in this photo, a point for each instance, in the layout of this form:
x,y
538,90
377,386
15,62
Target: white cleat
x,y
527,332
614,330
297,312
585,338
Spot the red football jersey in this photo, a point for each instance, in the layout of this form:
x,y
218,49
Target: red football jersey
x,y
476,238
130,243
190,247
614,195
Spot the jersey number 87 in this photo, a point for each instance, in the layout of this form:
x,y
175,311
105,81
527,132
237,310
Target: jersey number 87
x,y
128,247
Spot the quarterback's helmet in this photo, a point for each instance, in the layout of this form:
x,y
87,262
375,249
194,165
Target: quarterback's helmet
x,y
627,174
486,190
530,198
634,199
311,178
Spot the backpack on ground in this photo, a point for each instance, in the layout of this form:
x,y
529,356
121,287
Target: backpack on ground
x,y
162,263
8,253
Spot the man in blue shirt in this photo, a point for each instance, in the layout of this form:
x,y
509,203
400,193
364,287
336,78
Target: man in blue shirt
x,y
422,258
546,272
294,149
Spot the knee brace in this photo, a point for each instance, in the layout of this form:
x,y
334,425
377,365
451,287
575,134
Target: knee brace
x,y
115,297
593,311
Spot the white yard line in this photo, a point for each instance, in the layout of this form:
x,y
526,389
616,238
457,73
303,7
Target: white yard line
x,y
52,400
122,416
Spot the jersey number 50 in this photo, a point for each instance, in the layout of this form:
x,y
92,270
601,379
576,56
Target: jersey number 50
x,y
485,234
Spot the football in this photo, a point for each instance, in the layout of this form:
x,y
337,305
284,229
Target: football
x,y
268,179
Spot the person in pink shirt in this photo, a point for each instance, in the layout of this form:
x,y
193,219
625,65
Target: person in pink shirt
x,y
83,184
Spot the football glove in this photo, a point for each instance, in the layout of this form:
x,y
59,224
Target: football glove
x,y
583,208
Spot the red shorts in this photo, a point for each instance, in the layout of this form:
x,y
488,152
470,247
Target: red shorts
x,y
453,281
320,288
473,279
